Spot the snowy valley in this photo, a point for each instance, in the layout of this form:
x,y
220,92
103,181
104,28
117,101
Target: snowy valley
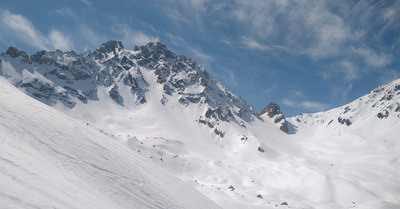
x,y
147,128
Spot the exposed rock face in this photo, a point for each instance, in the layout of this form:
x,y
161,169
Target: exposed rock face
x,y
114,94
14,52
273,111
381,115
344,121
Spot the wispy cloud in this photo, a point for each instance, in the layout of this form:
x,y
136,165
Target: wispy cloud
x,y
308,105
341,90
348,71
389,76
187,12
320,30
87,2
176,16
340,76
131,38
304,27
65,11
225,40
200,55
89,35
229,77
269,90
22,28
341,33
372,58
299,100
298,94
176,40
18,26
288,102
59,41
253,44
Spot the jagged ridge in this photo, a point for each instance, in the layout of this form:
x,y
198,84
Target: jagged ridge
x,y
70,77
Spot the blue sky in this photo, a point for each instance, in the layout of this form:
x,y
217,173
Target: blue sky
x,y
306,55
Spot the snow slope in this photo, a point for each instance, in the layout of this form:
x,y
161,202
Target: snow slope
x,y
168,110
374,115
49,160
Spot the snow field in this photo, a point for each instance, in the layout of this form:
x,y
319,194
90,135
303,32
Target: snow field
x,y
49,160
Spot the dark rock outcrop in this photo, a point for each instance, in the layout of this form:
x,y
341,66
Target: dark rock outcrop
x,y
260,149
383,115
273,111
344,121
114,94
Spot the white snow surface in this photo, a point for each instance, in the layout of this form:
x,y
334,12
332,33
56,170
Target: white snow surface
x,y
48,160
322,163
343,167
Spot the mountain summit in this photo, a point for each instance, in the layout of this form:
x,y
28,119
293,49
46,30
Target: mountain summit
x,y
273,111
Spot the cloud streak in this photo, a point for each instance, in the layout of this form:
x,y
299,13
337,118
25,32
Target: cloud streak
x,y
198,54
187,12
18,26
132,37
318,29
65,11
305,27
253,44
306,104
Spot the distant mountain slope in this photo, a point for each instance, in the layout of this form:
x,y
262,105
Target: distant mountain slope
x,y
372,115
48,160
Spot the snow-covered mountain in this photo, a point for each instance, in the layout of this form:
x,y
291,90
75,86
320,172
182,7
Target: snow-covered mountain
x,y
168,109
375,114
49,160
128,78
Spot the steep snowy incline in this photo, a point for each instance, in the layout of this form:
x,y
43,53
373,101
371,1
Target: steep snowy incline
x,y
49,160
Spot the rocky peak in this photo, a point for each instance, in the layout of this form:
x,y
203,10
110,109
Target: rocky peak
x,y
157,47
14,52
273,111
110,46
155,51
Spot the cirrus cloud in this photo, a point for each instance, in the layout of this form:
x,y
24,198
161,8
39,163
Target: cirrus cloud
x,y
18,26
132,37
306,104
